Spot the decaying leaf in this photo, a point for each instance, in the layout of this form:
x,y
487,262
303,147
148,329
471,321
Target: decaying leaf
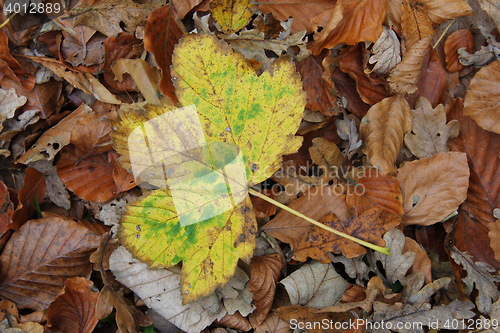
x,y
433,188
346,129
40,256
415,24
90,135
479,275
485,55
326,289
383,129
9,103
481,101
160,290
34,186
73,310
430,131
455,41
386,52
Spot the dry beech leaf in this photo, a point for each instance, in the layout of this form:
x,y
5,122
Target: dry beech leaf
x,y
315,285
52,141
370,226
160,290
433,80
383,129
273,324
294,181
372,89
494,234
327,156
433,188
456,40
481,101
430,131
301,11
347,130
40,256
6,207
440,11
320,201
90,135
492,8
34,186
362,21
386,53
265,273
481,276
415,23
422,262
261,207
11,67
184,6
55,191
235,321
405,75
73,310
161,34
375,190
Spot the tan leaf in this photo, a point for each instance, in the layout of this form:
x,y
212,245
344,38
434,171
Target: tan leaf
x,y
290,229
494,234
90,135
415,23
184,6
405,75
40,256
265,273
456,40
383,129
491,7
386,53
9,103
375,190
394,12
422,262
327,156
440,11
73,310
301,11
433,188
362,21
481,101
235,321
370,226
52,141
315,285
430,131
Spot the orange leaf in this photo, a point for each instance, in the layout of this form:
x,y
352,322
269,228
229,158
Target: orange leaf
x,y
432,81
434,187
265,273
160,37
90,135
456,40
301,10
317,203
481,101
34,185
90,178
440,11
415,23
344,85
362,21
261,207
422,262
6,207
370,227
11,65
40,256
375,190
383,129
235,321
405,75
372,89
74,309
124,181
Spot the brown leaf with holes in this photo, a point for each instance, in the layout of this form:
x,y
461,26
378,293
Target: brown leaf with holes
x,y
456,40
90,135
371,88
362,21
40,256
375,190
301,10
383,129
369,226
404,77
433,188
73,311
415,23
34,186
481,101
265,273
161,35
317,203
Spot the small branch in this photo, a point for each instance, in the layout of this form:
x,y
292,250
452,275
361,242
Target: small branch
x,y
384,250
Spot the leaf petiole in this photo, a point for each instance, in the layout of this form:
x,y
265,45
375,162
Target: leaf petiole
x,y
384,250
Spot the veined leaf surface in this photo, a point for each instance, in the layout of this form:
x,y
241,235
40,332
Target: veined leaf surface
x,y
236,108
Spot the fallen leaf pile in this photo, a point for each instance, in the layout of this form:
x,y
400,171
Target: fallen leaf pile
x,y
135,135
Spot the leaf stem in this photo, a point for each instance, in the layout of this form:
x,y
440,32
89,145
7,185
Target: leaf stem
x,y
384,250
444,32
